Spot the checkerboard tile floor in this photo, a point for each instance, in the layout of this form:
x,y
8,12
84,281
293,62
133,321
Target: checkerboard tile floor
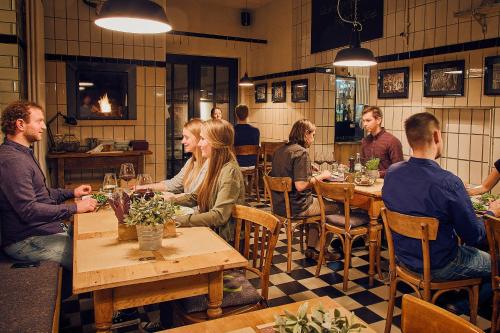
x,y
369,304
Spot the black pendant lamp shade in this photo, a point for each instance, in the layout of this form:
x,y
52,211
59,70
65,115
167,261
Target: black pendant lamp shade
x,y
135,16
355,55
245,81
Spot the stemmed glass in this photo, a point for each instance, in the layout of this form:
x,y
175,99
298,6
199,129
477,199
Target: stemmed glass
x,y
109,183
144,179
127,172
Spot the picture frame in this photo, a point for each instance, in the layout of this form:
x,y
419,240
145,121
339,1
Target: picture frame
x,y
444,78
393,82
492,75
261,93
300,91
279,92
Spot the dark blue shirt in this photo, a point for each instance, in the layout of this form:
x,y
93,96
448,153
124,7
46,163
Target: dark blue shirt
x,y
244,135
420,187
27,206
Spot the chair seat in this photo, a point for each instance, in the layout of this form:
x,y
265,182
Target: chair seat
x,y
237,292
357,219
417,279
247,168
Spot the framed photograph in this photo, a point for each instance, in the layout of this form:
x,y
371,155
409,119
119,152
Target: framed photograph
x,y
492,75
444,78
261,93
279,92
300,91
393,82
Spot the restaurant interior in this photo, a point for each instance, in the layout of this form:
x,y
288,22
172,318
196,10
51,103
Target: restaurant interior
x,y
111,97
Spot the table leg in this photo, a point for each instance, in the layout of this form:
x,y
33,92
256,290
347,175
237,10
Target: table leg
x,y
215,294
373,240
103,310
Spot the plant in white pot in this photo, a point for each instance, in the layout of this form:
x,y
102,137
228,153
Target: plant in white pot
x,y
149,216
372,168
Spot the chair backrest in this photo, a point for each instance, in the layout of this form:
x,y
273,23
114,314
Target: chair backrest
x,y
423,228
260,235
342,192
248,150
493,234
421,316
267,149
282,185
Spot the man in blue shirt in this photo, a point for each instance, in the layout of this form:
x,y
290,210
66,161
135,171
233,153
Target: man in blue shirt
x,y
245,134
420,187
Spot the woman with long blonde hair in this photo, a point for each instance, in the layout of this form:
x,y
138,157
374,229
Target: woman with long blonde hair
x,y
193,172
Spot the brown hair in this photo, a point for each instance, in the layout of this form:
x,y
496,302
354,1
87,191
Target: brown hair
x,y
375,110
14,111
220,134
212,112
419,128
194,167
299,130
241,111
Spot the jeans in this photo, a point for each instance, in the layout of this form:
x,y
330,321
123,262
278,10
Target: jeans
x,y
56,247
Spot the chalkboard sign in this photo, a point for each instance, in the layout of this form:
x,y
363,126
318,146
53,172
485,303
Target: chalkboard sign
x,y
328,31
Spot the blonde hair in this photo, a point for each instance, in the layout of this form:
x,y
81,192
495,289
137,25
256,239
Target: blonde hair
x,y
220,134
196,163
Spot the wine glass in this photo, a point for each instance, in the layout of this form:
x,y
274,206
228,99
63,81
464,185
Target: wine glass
x,y
144,179
318,158
127,172
109,183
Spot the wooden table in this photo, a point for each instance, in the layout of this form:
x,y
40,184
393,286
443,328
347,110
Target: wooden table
x,y
252,319
121,276
79,161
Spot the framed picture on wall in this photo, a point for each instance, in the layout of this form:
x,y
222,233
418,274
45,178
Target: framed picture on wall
x,y
492,75
279,92
393,82
444,78
261,93
300,91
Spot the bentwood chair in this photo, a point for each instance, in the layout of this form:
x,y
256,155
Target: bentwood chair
x,y
260,233
493,234
436,319
283,186
250,173
347,226
425,229
267,150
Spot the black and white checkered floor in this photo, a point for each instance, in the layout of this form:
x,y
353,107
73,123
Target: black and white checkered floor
x,y
369,304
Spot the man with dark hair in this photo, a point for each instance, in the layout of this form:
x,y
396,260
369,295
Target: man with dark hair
x,y
32,214
420,187
245,134
379,143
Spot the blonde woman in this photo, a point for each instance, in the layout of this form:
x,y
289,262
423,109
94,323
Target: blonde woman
x,y
193,172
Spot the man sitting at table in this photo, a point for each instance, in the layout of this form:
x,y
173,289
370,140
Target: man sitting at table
x,y
379,143
420,187
245,134
32,213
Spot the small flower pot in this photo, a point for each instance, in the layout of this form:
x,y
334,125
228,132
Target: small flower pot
x,y
373,174
149,237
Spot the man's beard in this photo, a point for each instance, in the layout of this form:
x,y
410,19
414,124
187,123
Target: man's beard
x,y
31,138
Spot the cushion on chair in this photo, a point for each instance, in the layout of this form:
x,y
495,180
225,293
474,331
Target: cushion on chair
x,y
357,219
248,168
237,292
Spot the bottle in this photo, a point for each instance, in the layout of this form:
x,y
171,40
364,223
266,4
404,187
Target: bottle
x,y
357,163
351,164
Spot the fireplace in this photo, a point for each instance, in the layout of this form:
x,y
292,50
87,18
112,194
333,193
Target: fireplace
x,y
101,91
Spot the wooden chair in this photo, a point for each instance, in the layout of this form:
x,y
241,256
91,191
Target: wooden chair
x,y
267,150
260,233
493,233
283,185
424,229
347,226
421,316
253,173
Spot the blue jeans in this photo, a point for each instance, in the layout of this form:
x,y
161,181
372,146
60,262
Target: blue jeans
x,y
56,247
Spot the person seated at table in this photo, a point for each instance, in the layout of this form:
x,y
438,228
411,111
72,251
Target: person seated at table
x,y
379,143
215,113
420,187
245,134
292,160
33,214
489,182
193,172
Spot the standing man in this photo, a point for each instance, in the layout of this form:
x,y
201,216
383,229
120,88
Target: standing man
x,y
32,214
245,134
379,143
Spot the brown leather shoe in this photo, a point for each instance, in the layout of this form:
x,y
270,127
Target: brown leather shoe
x,y
329,256
311,253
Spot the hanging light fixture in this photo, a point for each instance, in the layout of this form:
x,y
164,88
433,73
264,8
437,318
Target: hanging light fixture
x,y
135,16
354,55
246,81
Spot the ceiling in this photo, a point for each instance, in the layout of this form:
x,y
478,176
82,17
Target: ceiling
x,y
252,4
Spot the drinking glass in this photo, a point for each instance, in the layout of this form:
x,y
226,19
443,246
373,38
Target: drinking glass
x,y
144,179
109,184
127,172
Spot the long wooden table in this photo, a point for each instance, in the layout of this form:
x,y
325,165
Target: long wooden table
x,y
255,318
121,276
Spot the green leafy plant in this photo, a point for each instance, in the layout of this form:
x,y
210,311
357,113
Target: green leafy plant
x,y
152,211
372,164
319,321
482,202
101,198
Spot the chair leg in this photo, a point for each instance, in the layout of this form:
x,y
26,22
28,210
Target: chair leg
x,y
494,316
301,228
390,306
321,258
379,246
256,181
289,243
347,261
473,302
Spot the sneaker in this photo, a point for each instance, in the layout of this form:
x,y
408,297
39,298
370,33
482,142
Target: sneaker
x,y
125,318
151,326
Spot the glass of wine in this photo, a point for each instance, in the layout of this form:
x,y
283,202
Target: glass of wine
x,y
127,173
109,183
142,190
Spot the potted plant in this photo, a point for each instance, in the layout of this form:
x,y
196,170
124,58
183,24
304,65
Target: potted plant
x,y
149,216
372,168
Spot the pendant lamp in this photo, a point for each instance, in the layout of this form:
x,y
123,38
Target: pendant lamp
x,y
354,55
135,16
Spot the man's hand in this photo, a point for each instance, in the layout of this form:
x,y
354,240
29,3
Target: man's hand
x,y
82,190
323,175
495,207
86,205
